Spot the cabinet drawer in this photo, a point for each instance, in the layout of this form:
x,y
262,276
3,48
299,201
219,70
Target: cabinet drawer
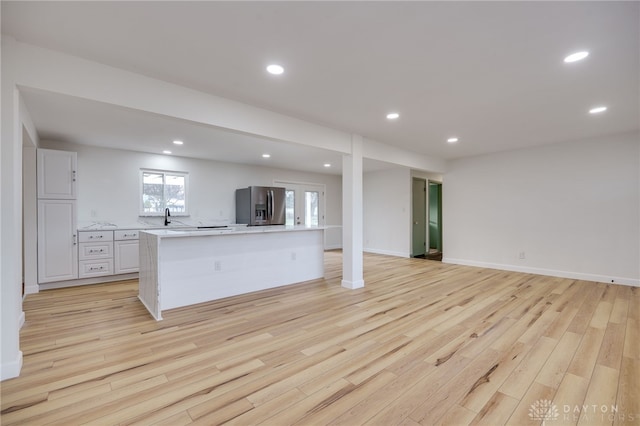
x,y
95,268
126,235
93,236
99,250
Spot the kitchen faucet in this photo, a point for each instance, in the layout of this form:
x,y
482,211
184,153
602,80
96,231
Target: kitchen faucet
x,y
167,215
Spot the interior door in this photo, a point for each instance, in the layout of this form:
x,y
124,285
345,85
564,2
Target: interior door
x,y
419,217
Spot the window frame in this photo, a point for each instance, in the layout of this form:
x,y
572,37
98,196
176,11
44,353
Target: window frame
x,y
185,175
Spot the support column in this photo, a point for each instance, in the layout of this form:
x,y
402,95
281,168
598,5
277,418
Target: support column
x,y
352,272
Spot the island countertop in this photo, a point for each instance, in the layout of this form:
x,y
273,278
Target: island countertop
x,y
230,230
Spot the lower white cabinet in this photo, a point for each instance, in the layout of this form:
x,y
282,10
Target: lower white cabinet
x,y
95,251
107,253
57,239
126,256
126,251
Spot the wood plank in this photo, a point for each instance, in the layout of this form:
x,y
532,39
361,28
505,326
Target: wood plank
x,y
569,398
496,411
554,369
627,400
522,377
535,394
587,353
600,398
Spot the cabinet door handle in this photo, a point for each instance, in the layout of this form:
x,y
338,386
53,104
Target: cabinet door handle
x,y
74,239
73,175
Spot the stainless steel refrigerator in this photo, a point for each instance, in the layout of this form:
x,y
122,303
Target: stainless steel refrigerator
x,y
260,205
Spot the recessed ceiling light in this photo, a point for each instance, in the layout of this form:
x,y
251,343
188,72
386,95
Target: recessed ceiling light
x,y
327,164
176,142
578,56
166,151
275,69
393,115
452,140
597,110
266,155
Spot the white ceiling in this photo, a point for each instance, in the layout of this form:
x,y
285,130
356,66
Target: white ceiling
x,y
490,73
80,121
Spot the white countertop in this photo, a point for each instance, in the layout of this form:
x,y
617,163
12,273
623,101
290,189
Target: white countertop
x,y
235,229
149,223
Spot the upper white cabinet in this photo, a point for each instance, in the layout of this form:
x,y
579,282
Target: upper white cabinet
x,y
56,174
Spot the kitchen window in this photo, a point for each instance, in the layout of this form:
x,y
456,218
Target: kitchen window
x,y
161,189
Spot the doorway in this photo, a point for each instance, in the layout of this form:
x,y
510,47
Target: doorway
x,y
418,217
435,221
304,203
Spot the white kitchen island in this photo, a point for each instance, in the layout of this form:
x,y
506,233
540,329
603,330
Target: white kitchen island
x,y
185,267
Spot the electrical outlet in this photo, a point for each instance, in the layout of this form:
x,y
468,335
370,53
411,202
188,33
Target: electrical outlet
x,y
521,255
217,266
293,255
94,213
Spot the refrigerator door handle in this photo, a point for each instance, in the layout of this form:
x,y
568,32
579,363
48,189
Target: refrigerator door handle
x,y
272,202
268,205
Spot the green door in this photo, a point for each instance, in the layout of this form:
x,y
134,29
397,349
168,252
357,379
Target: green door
x,y
419,217
435,216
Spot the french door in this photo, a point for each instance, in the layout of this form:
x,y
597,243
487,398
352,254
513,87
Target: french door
x,y
304,203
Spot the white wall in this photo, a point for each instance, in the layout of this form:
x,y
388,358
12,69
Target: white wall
x,y
30,219
387,211
14,119
434,177
108,185
573,208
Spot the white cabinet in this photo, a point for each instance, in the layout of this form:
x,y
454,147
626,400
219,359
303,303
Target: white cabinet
x,y
57,240
57,230
126,252
126,256
56,174
100,255
96,253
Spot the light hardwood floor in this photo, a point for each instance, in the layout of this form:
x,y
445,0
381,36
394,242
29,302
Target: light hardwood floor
x,y
422,343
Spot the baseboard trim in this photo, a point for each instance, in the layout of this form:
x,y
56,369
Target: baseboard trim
x,y
352,285
333,247
386,252
86,281
547,272
21,320
9,370
31,289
